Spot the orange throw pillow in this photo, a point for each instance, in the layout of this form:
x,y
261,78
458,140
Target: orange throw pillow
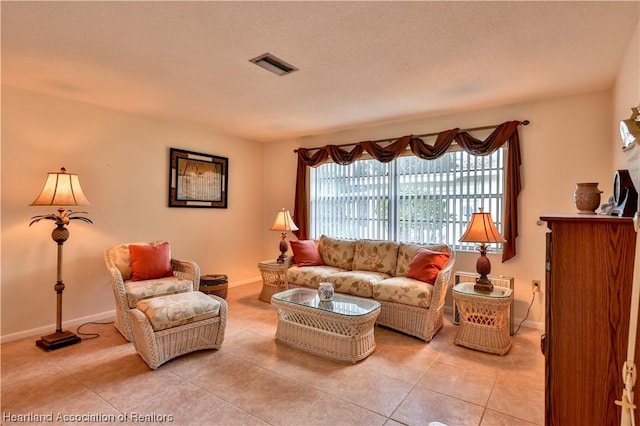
x,y
426,264
150,262
306,253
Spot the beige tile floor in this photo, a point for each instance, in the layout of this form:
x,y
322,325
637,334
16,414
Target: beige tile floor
x,y
252,380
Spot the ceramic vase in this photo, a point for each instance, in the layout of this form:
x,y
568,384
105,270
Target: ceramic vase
x,y
587,197
325,291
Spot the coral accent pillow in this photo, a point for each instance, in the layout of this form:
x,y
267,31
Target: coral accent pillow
x,y
306,253
150,262
426,264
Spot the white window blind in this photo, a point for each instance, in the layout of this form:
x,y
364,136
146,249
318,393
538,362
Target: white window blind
x,y
408,199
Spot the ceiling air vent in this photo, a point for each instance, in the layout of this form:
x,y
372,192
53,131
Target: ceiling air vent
x,y
273,64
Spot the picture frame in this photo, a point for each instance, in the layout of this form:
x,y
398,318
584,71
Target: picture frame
x,y
197,180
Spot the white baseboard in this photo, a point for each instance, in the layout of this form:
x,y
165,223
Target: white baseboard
x,y
74,323
48,329
246,281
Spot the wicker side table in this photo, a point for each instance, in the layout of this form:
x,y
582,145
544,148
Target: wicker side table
x,y
272,278
484,318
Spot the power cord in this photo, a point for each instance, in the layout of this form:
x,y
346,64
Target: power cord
x,y
527,315
90,335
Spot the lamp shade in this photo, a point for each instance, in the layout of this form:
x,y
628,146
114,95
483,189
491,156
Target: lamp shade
x,y
482,230
61,189
283,222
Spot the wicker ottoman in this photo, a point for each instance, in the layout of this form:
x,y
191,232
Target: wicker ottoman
x,y
169,326
484,318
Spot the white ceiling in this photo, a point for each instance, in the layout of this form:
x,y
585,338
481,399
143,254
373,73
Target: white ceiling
x,y
359,62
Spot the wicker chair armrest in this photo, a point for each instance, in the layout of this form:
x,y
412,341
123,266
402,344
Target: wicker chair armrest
x,y
187,269
442,281
445,273
114,272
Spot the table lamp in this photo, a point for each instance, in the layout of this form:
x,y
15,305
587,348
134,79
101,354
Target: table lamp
x,y
482,230
284,224
61,189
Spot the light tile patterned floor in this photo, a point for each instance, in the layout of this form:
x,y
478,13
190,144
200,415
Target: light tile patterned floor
x,y
252,380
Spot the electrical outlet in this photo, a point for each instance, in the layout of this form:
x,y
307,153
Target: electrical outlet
x,y
535,286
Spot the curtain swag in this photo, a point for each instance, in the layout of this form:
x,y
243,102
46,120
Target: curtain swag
x,y
504,133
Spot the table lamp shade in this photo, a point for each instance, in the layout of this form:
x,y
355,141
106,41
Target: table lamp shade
x,y
482,230
283,222
61,189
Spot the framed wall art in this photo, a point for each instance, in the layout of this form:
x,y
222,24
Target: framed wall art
x,y
197,180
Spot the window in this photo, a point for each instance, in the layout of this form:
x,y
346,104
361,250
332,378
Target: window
x,y
409,199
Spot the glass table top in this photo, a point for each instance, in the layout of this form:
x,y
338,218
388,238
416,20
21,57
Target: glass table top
x,y
496,293
341,304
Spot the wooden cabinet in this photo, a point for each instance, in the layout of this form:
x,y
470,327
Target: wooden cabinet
x,y
589,275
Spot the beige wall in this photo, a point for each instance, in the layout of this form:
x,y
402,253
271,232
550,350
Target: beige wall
x,y
626,93
122,161
568,141
279,184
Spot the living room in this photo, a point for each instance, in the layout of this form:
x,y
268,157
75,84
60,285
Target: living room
x,y
122,159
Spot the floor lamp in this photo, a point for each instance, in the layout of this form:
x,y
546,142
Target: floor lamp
x,y
61,189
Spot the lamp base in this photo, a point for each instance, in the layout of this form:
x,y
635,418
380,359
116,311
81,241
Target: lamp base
x,y
58,340
483,284
283,248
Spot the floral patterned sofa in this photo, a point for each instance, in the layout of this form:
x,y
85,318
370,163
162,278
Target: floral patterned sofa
x,y
409,280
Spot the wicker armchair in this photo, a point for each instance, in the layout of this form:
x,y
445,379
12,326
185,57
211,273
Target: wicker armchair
x,y
127,293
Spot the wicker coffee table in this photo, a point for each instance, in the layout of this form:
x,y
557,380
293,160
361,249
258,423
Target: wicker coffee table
x,y
341,330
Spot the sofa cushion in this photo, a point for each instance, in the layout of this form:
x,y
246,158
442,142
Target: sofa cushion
x,y
426,265
357,283
150,262
140,290
376,256
306,253
407,252
403,290
336,252
310,276
178,309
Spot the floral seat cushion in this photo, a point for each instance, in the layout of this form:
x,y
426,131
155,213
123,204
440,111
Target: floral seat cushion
x,y
310,276
403,290
140,290
178,309
357,283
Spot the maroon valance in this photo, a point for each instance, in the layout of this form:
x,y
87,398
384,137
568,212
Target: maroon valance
x,y
504,133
